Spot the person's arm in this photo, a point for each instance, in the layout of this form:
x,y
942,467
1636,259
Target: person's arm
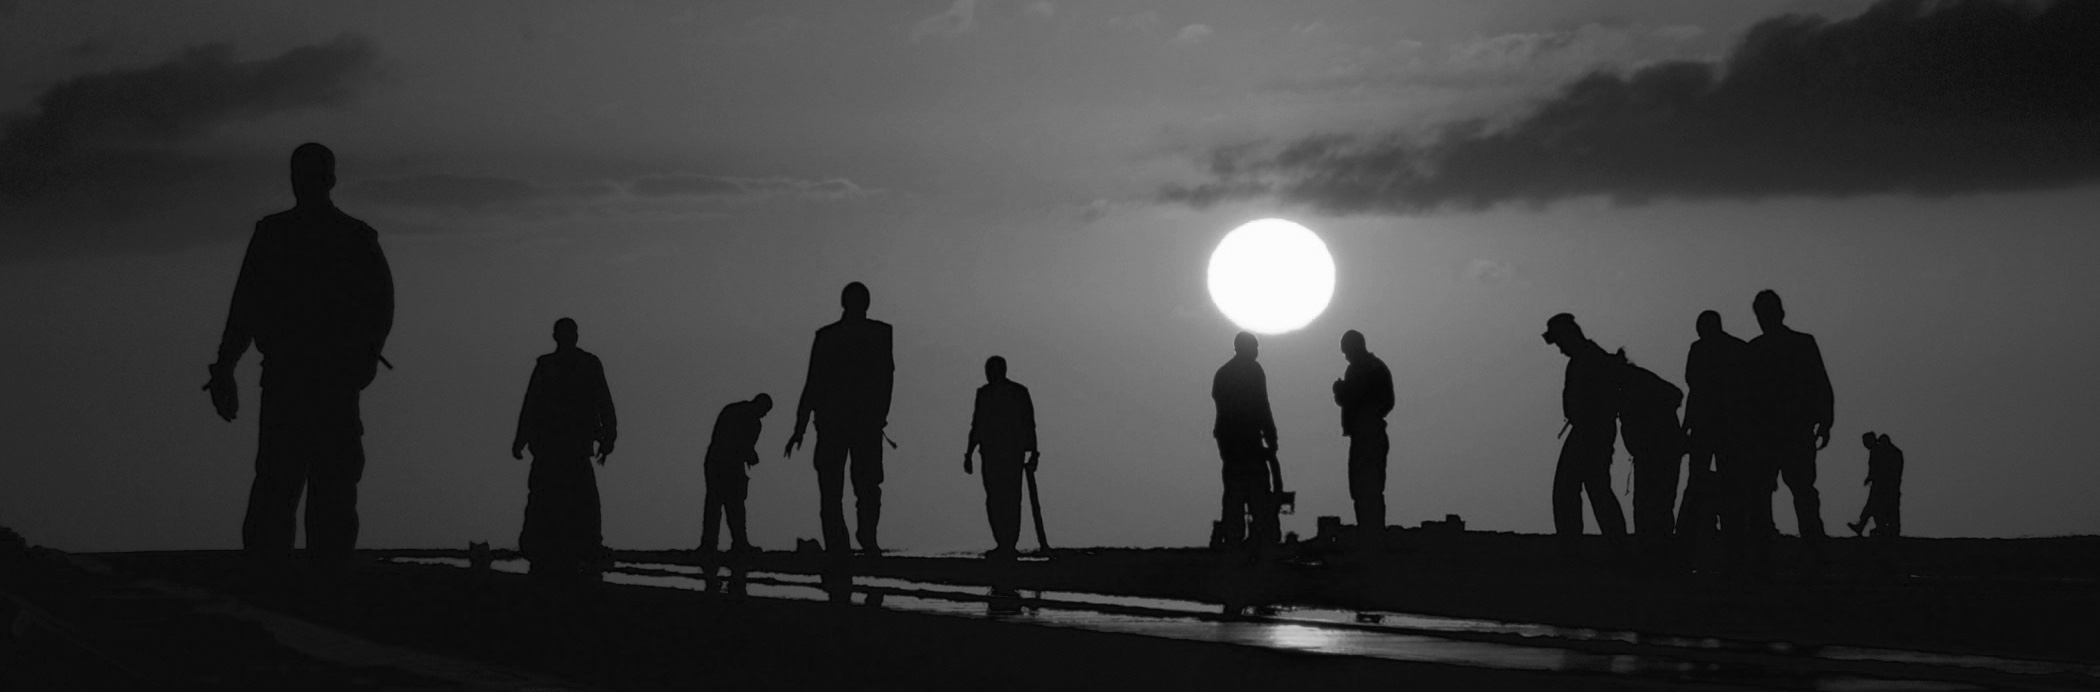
x,y
528,414
381,322
243,319
1824,400
976,424
806,403
608,420
1383,387
1260,380
886,378
1035,456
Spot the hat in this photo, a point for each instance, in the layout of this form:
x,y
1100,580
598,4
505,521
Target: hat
x,y
1562,324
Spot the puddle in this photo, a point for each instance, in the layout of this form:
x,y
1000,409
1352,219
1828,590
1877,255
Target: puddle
x,y
1315,630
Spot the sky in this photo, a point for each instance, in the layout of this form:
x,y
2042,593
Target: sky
x,y
693,183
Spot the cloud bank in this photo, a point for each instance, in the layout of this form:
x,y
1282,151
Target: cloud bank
x,y
110,143
1911,97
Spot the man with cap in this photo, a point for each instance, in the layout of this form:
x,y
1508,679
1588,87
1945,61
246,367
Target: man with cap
x,y
1589,401
1246,435
1365,394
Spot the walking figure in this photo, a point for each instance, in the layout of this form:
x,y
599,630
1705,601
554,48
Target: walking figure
x,y
847,389
316,298
568,410
1589,401
1365,394
731,448
1885,496
1002,430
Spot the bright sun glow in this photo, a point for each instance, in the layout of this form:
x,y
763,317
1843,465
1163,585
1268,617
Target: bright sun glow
x,y
1271,276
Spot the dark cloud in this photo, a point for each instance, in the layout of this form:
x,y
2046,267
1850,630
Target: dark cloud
x,y
109,145
692,184
1928,98
439,190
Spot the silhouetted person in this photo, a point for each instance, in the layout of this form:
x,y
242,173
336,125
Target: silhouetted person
x,y
317,299
1365,394
1589,401
1721,477
848,389
568,409
1794,408
1002,430
1246,436
731,448
1654,438
1885,496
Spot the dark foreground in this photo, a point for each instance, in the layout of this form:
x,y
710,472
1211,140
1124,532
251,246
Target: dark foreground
x,y
189,620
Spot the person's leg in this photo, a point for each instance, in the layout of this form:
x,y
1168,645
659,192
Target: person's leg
x,y
831,489
1002,498
1567,492
867,487
338,463
1233,514
1591,457
1611,518
271,524
733,508
1367,459
711,509
1798,468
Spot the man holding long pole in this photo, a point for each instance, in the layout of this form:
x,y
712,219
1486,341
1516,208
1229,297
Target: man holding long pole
x,y
1002,430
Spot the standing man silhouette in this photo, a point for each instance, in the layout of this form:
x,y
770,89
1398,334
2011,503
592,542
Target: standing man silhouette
x,y
1365,394
731,448
316,298
1002,429
1795,407
851,371
1719,480
1589,401
568,408
1246,436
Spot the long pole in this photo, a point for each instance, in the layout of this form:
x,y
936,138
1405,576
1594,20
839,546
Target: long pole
x,y
1035,504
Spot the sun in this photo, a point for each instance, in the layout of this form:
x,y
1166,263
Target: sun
x,y
1271,276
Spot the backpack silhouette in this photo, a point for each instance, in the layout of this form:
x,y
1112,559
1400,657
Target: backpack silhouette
x,y
1648,408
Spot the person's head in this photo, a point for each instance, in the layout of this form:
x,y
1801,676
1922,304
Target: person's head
x,y
1770,313
313,173
1563,333
565,333
995,369
1868,439
1245,344
1885,441
855,299
764,402
1353,344
1709,324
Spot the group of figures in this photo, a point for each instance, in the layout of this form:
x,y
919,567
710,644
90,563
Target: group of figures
x,y
1757,414
315,296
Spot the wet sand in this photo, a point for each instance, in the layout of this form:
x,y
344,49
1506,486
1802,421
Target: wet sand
x,y
2031,599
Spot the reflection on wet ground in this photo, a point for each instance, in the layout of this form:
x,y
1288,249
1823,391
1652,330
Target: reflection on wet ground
x,y
1381,634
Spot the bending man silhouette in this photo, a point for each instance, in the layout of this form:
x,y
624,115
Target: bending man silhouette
x,y
1365,394
317,299
1885,499
732,447
1589,401
851,371
1720,478
1246,436
568,408
1795,408
1002,429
